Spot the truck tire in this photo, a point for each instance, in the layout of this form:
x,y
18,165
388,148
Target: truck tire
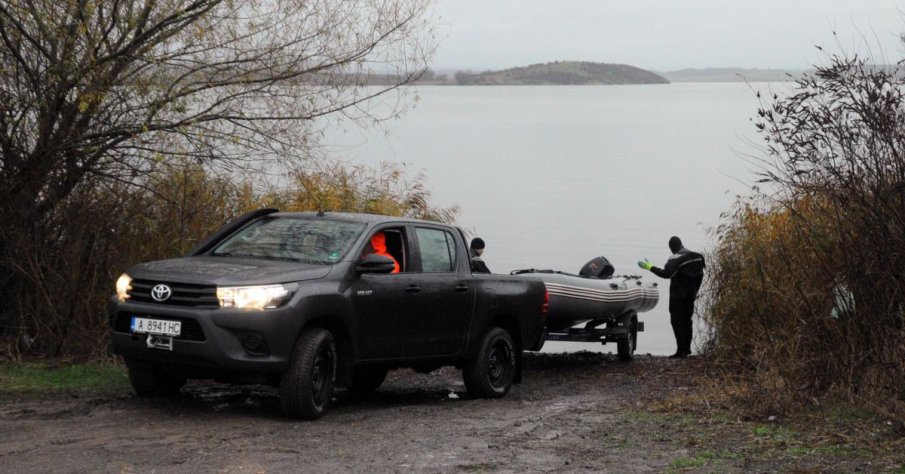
x,y
626,346
492,372
367,379
149,380
306,387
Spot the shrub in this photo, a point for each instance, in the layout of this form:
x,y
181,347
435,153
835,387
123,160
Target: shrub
x,y
60,283
829,222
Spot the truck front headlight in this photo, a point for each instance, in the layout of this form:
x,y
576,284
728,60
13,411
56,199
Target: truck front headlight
x,y
255,297
123,285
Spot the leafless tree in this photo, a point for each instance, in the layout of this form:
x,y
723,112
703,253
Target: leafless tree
x,y
114,87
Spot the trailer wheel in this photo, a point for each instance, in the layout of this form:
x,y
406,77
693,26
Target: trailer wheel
x,y
492,373
626,346
307,386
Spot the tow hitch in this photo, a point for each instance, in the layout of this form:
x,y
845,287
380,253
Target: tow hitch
x,y
160,342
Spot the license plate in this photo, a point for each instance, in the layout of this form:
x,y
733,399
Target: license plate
x,y
156,326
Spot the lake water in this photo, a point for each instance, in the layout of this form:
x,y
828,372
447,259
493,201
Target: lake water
x,y
552,176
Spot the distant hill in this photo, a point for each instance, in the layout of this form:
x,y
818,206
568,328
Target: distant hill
x,y
732,75
563,73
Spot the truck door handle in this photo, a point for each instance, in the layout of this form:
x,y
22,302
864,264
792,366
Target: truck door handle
x,y
462,288
413,289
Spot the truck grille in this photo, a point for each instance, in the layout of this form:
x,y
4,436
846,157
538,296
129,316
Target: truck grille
x,y
191,330
184,294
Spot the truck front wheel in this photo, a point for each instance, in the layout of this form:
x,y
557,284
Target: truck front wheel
x,y
492,372
307,386
149,380
367,379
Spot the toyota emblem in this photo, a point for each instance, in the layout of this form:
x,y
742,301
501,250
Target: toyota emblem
x,y
161,292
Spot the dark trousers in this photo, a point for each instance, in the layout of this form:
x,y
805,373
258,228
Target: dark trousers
x,y
680,312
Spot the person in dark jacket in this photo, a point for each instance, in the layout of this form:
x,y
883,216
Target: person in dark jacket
x,y
475,250
685,269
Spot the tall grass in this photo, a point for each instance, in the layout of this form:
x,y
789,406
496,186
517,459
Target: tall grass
x,y
829,222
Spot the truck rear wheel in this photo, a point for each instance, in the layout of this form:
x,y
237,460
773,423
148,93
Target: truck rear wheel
x,y
367,379
149,380
492,372
307,386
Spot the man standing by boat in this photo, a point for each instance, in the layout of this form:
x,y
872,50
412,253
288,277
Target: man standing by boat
x,y
685,269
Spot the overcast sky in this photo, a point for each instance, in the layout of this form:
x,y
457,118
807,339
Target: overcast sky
x,y
663,35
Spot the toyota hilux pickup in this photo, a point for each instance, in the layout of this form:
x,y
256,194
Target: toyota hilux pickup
x,y
303,302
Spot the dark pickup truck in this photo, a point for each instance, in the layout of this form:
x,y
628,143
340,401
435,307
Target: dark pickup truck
x,y
301,302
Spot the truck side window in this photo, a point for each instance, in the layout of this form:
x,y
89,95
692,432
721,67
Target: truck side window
x,y
396,247
394,240
438,250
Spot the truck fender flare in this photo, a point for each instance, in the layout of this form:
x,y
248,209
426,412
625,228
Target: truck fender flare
x,y
342,337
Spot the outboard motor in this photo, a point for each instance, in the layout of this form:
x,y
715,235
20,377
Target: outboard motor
x,y
598,267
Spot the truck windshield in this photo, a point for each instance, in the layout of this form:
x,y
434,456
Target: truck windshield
x,y
317,241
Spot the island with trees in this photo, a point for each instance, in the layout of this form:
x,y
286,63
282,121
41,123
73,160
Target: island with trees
x,y
562,73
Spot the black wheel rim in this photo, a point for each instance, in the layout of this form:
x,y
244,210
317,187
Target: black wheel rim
x,y
500,364
321,373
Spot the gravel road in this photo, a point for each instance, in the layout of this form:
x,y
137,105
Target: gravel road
x,y
574,412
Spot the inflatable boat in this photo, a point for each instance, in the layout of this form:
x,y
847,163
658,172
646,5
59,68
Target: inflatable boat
x,y
592,295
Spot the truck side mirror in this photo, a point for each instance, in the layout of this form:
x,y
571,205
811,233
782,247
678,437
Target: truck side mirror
x,y
374,263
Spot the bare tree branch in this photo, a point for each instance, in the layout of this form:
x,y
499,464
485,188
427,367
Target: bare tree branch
x,y
81,80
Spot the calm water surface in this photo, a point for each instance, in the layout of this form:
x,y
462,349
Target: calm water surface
x,y
552,176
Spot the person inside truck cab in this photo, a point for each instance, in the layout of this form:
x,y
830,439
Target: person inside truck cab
x,y
379,246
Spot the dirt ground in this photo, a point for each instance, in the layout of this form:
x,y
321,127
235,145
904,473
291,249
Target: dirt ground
x,y
574,412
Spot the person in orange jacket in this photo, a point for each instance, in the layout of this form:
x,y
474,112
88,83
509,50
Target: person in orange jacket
x,y
379,244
